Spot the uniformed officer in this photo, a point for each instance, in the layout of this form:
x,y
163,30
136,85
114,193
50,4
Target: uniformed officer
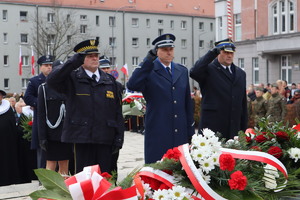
x,y
94,120
276,105
30,98
166,89
259,105
105,64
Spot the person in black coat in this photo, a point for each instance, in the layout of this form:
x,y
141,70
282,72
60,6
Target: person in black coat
x,y
51,113
94,120
30,98
223,89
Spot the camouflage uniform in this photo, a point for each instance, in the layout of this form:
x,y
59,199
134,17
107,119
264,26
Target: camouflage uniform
x,y
259,108
276,108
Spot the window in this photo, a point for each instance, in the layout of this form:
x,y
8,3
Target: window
x,y
241,63
4,15
183,24
148,42
211,44
160,22
112,60
286,68
183,43
6,83
68,17
238,29
184,61
25,83
135,61
160,31
5,60
51,38
201,26
5,40
135,42
69,39
148,22
83,29
25,60
112,42
201,43
83,17
255,68
50,17
97,20
211,27
220,28
135,22
283,16
172,24
112,21
23,16
24,38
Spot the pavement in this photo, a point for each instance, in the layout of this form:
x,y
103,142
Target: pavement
x,y
131,156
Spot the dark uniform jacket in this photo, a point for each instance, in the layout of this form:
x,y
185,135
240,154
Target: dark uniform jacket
x,y
169,115
30,98
224,102
54,105
93,110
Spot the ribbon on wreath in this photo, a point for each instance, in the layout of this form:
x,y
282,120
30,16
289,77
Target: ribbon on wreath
x,y
133,95
90,185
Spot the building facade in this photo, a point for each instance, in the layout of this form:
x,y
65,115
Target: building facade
x,y
266,33
125,28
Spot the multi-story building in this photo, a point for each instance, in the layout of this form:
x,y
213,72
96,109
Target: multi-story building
x,y
125,28
267,37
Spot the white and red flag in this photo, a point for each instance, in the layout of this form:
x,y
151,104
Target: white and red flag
x,y
32,61
124,69
20,62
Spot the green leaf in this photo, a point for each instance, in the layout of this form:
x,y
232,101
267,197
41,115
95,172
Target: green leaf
x,y
49,195
52,181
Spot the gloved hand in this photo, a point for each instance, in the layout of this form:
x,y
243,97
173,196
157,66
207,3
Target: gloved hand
x,y
216,50
79,57
152,54
115,149
44,144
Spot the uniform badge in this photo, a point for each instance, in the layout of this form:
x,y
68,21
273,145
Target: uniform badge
x,y
92,42
110,94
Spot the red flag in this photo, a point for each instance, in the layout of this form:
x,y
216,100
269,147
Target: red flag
x,y
124,69
32,61
20,62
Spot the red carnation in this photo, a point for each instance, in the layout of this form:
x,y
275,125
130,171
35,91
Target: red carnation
x,y
248,139
256,148
172,154
227,162
128,100
260,138
275,151
282,135
238,181
30,123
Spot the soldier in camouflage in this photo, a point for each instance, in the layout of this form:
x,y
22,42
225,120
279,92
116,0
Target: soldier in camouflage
x,y
276,105
259,105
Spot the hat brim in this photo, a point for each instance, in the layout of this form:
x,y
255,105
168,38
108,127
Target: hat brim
x,y
47,63
228,49
90,52
3,93
165,45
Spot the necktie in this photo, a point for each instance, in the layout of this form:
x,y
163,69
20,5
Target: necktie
x,y
227,69
169,70
94,77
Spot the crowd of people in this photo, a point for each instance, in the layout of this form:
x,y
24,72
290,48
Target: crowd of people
x,y
77,108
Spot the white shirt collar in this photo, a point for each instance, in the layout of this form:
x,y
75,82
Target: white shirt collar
x,y
90,74
165,65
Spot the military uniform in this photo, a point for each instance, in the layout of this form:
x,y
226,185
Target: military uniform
x,y
260,107
276,108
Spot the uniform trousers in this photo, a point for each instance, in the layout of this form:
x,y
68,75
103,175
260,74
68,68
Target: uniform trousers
x,y
93,154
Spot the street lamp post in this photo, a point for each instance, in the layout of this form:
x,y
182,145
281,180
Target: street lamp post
x,y
112,32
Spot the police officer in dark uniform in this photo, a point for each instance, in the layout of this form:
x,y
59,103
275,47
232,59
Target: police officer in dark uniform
x,y
94,120
30,98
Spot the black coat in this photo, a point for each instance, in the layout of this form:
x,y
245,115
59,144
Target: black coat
x,y
30,99
93,110
55,108
224,102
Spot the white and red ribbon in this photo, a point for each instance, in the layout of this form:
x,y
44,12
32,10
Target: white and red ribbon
x,y
132,95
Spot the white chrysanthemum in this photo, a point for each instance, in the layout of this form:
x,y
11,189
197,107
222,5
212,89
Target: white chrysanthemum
x,y
298,135
161,195
207,164
208,133
205,177
273,140
230,142
197,155
215,158
138,104
177,192
199,141
294,153
147,189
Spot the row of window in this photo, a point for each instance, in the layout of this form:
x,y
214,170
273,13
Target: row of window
x,y
112,21
24,83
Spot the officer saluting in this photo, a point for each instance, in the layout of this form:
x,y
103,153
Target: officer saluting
x,y
166,89
94,120
31,98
